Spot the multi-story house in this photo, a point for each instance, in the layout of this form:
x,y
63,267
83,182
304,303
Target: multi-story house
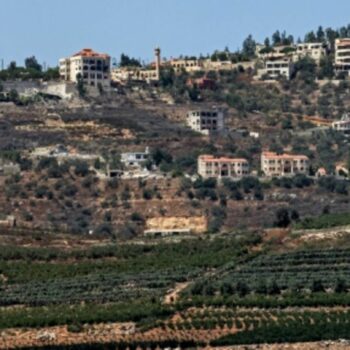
x,y
142,74
343,124
273,164
342,55
316,51
92,67
262,51
188,65
135,158
212,167
206,122
276,66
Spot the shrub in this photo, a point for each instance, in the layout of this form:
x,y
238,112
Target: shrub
x,y
70,190
81,169
137,217
282,218
41,191
147,194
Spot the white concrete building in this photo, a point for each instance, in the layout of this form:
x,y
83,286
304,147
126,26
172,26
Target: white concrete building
x,y
142,74
316,51
273,164
206,121
127,74
93,67
188,65
209,166
343,124
135,159
276,66
62,154
342,55
262,52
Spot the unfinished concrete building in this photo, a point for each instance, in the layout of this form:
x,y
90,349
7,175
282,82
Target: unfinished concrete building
x,y
206,121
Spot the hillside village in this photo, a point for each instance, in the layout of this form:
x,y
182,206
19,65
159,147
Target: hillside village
x,y
181,146
197,201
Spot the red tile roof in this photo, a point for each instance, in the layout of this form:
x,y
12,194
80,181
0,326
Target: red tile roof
x,y
273,155
90,53
210,158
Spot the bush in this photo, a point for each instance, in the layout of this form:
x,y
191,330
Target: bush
x,y
137,217
27,216
70,190
41,191
147,194
104,229
282,218
81,169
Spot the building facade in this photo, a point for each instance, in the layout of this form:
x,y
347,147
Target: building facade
x,y
135,158
263,52
316,51
125,74
276,66
206,122
342,55
273,164
223,167
92,67
343,124
187,65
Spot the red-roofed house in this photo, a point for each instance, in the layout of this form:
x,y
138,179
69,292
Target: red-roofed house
x,y
93,67
273,164
210,166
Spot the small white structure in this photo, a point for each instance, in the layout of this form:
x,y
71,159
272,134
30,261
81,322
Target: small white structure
x,y
9,169
136,159
341,171
62,153
254,134
210,166
343,124
273,164
206,121
8,221
321,172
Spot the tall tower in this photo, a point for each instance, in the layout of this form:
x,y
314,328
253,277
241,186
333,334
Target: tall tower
x,y
157,54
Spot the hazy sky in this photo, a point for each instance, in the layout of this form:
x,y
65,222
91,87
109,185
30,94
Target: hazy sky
x,y
50,29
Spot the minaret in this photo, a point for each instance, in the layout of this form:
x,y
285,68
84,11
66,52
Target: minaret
x,y
157,54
